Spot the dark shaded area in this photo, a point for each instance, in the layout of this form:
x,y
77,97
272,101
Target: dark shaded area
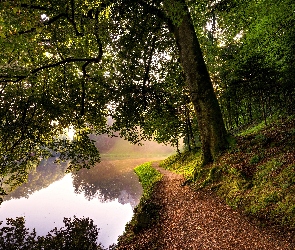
x,y
76,234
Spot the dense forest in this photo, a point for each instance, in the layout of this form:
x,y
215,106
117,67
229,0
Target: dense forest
x,y
162,70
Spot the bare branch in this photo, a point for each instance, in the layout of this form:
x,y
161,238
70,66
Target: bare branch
x,y
72,19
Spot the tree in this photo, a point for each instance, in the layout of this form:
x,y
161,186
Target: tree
x,y
212,129
43,86
173,17
62,65
250,59
76,234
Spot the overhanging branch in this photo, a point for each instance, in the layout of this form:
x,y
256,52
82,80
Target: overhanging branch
x,y
7,78
48,22
67,60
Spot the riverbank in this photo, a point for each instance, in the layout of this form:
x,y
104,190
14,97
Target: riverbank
x,y
243,201
188,219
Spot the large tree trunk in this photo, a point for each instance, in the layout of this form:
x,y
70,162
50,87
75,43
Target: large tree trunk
x,y
210,122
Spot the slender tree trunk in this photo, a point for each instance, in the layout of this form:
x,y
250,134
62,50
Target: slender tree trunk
x,y
192,136
210,122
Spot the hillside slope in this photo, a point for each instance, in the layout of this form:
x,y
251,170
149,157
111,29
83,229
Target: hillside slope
x,y
257,174
245,200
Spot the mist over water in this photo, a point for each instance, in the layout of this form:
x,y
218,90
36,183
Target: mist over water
x,y
112,146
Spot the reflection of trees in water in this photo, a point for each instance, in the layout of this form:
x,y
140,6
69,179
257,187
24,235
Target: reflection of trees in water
x,y
41,177
76,234
109,180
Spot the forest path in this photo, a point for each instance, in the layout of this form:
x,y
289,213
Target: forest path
x,y
200,220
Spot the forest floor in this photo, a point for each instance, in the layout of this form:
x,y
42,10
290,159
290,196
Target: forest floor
x,y
190,219
246,200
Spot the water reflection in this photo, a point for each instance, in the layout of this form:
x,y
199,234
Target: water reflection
x,y
41,177
107,193
46,208
109,180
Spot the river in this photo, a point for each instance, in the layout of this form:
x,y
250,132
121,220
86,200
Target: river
x,y
106,193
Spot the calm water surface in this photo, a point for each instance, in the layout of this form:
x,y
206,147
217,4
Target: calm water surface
x,y
106,193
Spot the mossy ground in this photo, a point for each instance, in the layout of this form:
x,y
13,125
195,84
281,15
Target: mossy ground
x,y
257,174
146,211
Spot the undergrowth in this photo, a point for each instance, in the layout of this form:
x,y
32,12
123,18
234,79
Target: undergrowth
x,y
256,176
146,212
183,163
148,176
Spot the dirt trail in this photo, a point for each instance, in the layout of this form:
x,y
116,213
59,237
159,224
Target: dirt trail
x,y
199,220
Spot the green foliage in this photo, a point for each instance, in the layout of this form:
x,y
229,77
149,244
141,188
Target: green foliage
x,y
148,176
184,163
232,187
267,195
74,63
255,159
189,164
148,87
145,214
271,193
232,142
260,138
266,171
175,10
256,128
253,129
247,47
292,131
77,234
43,89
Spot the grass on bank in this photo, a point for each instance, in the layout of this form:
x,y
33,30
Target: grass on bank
x,y
146,211
257,175
148,176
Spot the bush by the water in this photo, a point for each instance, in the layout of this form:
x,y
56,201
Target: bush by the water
x,y
77,234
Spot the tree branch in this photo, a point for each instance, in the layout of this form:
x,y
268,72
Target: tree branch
x,y
153,10
53,19
7,78
72,19
31,6
149,61
147,70
52,65
50,21
67,60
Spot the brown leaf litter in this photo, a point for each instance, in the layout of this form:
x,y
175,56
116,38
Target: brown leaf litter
x,y
199,220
